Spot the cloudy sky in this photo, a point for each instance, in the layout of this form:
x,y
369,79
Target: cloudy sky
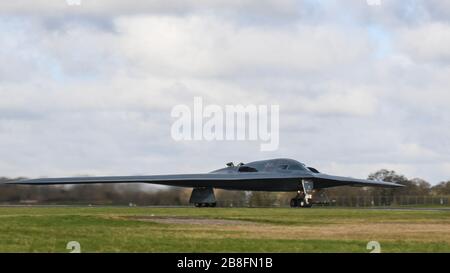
x,y
89,89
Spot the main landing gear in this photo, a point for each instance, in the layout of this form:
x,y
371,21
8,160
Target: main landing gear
x,y
203,198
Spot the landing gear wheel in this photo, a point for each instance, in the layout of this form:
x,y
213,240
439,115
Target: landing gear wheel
x,y
205,205
294,203
299,202
302,204
305,204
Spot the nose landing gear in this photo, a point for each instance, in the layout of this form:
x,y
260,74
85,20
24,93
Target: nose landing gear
x,y
300,201
303,198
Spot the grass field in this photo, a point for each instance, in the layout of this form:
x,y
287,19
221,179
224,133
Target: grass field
x,y
115,229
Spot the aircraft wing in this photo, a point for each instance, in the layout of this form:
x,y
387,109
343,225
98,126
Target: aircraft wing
x,y
153,179
245,181
333,181
234,181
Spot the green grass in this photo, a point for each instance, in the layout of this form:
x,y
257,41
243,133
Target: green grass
x,y
115,229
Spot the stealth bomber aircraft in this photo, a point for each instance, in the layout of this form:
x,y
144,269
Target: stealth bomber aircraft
x,y
280,175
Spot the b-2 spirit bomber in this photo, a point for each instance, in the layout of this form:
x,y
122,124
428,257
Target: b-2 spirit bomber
x,y
278,175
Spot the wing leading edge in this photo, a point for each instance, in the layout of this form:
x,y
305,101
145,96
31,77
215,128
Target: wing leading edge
x,y
333,181
238,181
234,181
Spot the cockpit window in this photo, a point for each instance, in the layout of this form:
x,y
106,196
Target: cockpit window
x,y
247,169
296,167
283,167
314,170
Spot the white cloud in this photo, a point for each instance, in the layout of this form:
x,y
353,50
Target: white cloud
x,y
426,43
108,8
77,98
415,151
353,102
207,46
